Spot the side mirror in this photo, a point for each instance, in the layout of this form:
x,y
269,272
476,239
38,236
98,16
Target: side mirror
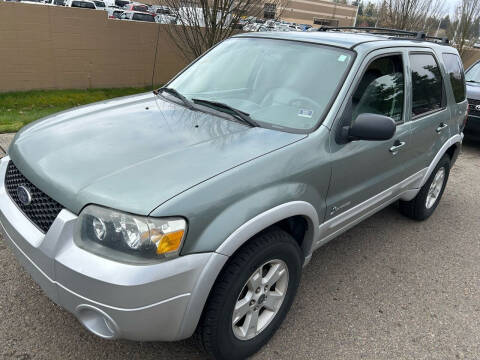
x,y
374,127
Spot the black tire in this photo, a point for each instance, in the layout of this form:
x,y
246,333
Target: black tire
x,y
215,328
417,209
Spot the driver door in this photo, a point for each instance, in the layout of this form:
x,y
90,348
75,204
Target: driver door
x,y
363,171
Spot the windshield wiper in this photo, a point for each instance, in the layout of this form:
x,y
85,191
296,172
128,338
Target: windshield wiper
x,y
175,93
473,81
243,116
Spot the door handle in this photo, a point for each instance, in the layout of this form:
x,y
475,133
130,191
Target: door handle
x,y
441,128
397,146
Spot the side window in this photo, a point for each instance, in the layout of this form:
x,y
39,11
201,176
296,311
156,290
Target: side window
x,y
381,89
427,89
473,74
457,79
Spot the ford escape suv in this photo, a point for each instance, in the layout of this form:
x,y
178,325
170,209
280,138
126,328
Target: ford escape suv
x,y
194,208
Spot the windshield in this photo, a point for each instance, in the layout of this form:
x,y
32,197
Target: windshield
x,y
279,83
473,74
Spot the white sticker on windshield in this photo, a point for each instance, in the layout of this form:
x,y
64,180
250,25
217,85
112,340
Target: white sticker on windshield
x,y
305,113
342,58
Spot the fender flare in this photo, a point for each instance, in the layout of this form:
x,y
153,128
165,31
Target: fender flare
x,y
270,217
233,242
457,138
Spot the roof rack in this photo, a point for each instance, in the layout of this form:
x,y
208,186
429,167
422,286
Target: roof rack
x,y
395,33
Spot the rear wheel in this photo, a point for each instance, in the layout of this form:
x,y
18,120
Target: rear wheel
x,y
426,201
251,296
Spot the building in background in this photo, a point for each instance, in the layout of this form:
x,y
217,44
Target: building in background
x,y
319,12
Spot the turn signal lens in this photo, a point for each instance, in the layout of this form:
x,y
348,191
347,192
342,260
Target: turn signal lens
x,y
167,243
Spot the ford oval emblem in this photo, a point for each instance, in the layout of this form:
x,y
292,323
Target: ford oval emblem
x,y
24,195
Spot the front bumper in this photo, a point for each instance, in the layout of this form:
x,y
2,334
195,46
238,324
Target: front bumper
x,y
113,300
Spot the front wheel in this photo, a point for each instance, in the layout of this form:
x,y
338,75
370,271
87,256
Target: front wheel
x,y
427,199
251,296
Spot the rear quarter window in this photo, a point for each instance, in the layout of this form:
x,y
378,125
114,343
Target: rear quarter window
x,y
427,85
454,69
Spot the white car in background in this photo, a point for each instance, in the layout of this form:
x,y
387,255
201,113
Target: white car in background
x,y
34,2
114,12
84,4
100,5
138,16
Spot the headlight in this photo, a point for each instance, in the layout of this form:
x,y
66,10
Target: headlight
x,y
130,238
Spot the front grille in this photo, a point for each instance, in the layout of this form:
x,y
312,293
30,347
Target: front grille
x,y
472,107
42,210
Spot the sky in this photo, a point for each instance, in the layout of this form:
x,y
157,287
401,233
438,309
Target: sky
x,y
450,6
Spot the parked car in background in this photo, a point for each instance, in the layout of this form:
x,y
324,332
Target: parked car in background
x,y
160,9
34,2
122,3
138,16
55,2
114,13
100,5
165,19
137,7
472,78
84,4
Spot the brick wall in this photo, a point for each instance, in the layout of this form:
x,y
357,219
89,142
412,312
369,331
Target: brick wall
x,y
52,47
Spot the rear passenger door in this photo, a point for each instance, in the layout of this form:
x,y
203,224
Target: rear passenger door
x,y
428,110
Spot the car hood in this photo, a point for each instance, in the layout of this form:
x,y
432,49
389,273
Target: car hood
x,y
473,91
134,153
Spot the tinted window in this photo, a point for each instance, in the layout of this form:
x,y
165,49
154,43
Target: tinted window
x,y
121,3
143,17
381,89
140,8
83,4
426,84
99,3
455,71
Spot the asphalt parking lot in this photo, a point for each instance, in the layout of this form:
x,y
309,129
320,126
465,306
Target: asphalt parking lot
x,y
390,288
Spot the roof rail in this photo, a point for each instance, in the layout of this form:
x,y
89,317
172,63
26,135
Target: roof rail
x,y
398,34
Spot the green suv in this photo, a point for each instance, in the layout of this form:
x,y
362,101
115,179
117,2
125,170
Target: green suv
x,y
195,208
